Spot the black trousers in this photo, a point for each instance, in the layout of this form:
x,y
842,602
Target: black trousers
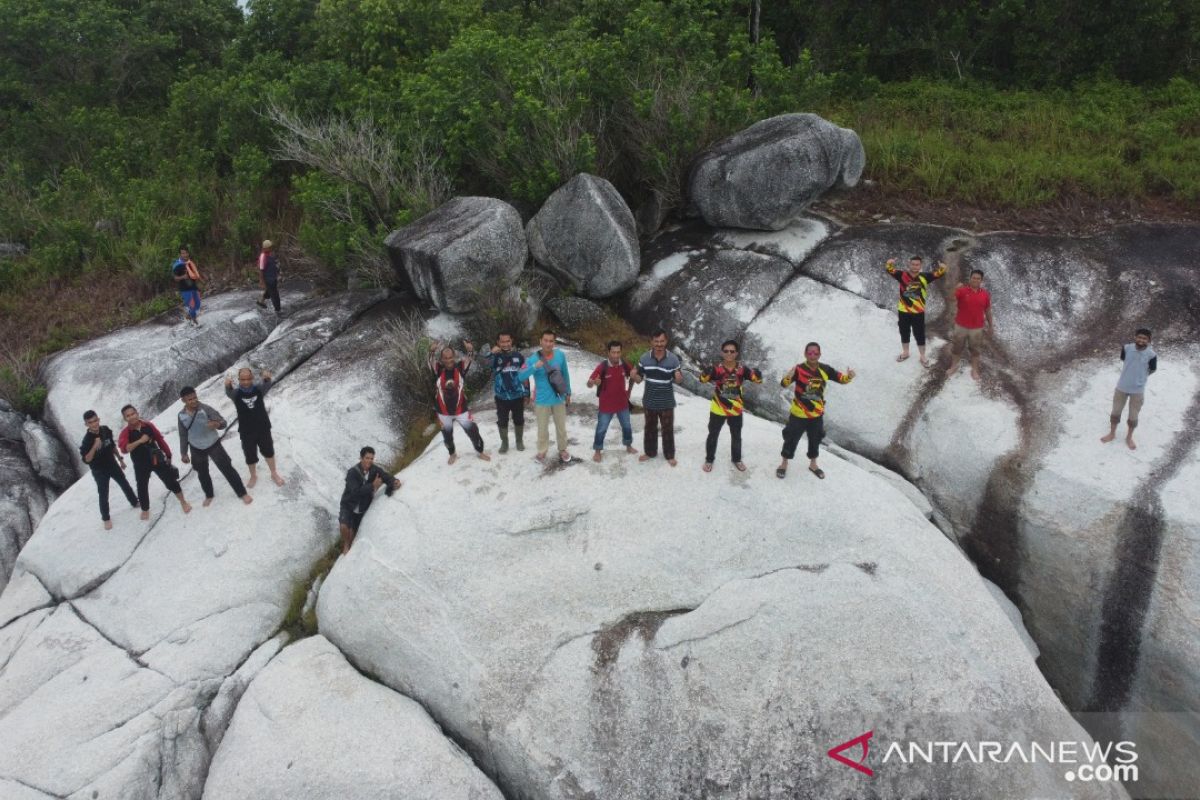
x,y
715,423
272,292
254,441
797,427
914,323
166,474
103,475
218,456
514,407
666,418
471,429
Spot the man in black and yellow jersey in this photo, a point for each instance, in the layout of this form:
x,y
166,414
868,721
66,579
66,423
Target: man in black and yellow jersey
x,y
727,378
808,406
914,291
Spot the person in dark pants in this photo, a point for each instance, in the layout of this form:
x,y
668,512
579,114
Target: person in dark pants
x,y
254,425
613,381
660,370
198,427
511,393
362,481
268,276
99,452
187,281
450,397
150,454
914,291
808,406
727,378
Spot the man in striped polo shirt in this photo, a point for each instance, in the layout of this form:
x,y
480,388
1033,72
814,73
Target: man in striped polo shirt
x,y
661,370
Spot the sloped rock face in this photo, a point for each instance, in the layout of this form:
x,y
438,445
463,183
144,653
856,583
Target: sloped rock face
x,y
47,455
1081,535
461,251
580,650
23,501
310,702
766,175
585,235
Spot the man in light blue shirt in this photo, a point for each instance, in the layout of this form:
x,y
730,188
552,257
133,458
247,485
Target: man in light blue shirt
x,y
1140,362
551,394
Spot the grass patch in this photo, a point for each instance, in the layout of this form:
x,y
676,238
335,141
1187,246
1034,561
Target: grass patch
x,y
416,439
299,622
961,141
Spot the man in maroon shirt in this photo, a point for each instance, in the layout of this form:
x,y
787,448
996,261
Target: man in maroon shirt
x,y
973,317
613,377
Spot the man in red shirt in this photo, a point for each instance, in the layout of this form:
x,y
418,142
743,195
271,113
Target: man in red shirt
x,y
973,317
614,379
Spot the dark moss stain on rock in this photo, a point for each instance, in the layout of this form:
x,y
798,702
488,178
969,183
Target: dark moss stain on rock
x,y
607,643
869,567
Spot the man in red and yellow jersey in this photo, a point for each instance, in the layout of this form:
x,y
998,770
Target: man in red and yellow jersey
x,y
808,406
914,291
727,378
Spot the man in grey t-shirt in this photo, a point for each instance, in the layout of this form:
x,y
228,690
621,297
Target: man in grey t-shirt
x,y
1140,362
661,370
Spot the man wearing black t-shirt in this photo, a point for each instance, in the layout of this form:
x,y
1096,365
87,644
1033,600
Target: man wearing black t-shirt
x,y
150,454
254,426
362,481
99,451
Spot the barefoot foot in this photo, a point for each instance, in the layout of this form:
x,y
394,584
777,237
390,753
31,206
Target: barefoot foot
x,y
1130,444
247,499
144,515
279,481
707,466
453,457
108,524
207,502
253,480
1108,437
187,508
484,457
596,456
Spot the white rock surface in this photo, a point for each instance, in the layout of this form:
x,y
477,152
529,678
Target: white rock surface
x,y
22,504
579,652
48,456
311,726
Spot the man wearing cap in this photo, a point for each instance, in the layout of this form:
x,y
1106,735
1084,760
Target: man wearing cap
x,y
268,276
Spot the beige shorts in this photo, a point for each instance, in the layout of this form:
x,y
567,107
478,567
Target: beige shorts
x,y
1135,405
963,336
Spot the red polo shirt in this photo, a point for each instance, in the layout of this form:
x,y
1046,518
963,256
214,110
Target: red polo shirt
x,y
972,303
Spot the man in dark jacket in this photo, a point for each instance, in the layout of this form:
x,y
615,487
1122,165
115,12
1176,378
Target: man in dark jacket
x,y
99,451
362,481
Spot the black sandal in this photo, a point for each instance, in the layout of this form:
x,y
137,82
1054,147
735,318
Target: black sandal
x,y
781,472
820,473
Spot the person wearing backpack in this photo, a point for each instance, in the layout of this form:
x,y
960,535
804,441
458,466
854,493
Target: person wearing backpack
x,y
612,380
551,394
727,378
268,277
186,275
150,454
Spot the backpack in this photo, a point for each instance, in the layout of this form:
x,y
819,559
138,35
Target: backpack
x,y
604,373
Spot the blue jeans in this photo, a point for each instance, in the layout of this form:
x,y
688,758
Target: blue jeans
x,y
604,420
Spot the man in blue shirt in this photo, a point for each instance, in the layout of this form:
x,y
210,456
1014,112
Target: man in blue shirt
x,y
1140,363
551,394
510,391
661,370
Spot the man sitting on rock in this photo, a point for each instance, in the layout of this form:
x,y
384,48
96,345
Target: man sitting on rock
x,y
99,452
613,380
362,481
974,309
511,393
1140,362
146,446
727,377
198,428
914,291
808,406
254,425
450,397
551,394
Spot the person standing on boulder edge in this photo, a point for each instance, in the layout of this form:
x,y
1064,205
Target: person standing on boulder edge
x,y
661,370
974,309
727,378
511,393
99,452
198,426
808,406
450,396
150,454
613,381
551,394
362,481
1140,362
914,290
254,425
187,281
268,276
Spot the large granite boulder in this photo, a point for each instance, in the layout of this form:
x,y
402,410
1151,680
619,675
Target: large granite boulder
x,y
585,235
460,252
23,501
719,652
50,458
765,176
309,704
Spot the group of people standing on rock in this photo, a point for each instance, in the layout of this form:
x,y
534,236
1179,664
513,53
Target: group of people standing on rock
x,y
187,279
199,444
973,318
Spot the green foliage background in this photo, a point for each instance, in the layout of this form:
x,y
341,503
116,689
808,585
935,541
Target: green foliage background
x,y
128,127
